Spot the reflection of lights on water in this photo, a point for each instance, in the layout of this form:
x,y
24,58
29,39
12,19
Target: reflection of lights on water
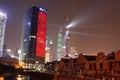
x,y
1,78
23,77
19,77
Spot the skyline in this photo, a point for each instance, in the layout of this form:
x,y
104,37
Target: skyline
x,y
96,29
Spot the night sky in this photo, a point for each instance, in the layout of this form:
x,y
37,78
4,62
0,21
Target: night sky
x,y
96,29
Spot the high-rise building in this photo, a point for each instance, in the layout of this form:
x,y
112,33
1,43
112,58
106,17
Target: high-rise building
x,y
50,51
34,36
3,18
59,45
73,52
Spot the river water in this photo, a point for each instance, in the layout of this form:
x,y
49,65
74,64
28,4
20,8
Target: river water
x,y
30,76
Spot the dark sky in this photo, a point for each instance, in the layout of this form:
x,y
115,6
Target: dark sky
x,y
97,25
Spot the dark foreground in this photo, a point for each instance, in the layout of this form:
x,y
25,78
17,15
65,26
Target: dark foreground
x,y
29,76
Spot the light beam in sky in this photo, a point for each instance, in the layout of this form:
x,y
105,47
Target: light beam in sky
x,y
73,24
98,36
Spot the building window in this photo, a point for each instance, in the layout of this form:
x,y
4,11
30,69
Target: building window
x,y
90,66
101,65
110,65
94,65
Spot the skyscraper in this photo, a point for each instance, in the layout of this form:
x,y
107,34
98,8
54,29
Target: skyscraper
x,y
59,45
34,36
3,18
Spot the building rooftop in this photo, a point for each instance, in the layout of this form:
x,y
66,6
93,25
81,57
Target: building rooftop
x,y
90,58
110,56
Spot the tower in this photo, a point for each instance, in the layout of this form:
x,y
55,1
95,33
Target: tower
x,y
3,18
52,53
34,37
59,45
47,54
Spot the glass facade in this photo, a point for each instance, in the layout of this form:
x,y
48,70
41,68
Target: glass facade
x,y
3,18
34,36
41,34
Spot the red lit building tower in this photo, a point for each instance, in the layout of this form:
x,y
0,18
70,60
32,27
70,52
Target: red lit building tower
x,y
34,36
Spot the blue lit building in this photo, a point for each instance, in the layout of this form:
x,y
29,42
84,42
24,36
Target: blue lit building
x,y
34,36
3,19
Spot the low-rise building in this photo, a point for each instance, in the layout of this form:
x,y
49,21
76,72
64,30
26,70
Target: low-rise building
x,y
101,66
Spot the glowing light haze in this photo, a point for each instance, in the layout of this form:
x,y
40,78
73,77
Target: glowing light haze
x,y
95,24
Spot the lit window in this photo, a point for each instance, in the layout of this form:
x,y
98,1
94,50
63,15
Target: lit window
x,y
33,36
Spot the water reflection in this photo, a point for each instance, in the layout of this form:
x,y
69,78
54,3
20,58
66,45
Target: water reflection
x,y
23,77
29,76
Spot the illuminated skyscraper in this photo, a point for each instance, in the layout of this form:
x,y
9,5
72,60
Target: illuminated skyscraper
x,y
59,45
73,52
52,51
3,18
47,54
34,36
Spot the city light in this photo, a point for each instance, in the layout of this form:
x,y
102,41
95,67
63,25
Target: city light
x,y
51,42
12,56
43,10
29,23
19,51
1,78
9,50
64,47
3,20
19,77
66,35
73,24
3,14
70,25
41,34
